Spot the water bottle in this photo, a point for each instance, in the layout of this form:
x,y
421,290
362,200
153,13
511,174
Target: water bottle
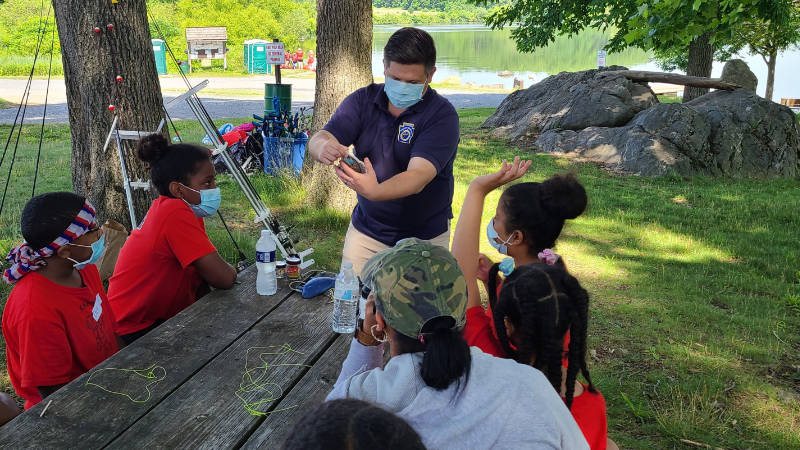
x,y
266,282
345,300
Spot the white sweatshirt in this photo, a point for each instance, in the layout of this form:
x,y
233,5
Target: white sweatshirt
x,y
504,405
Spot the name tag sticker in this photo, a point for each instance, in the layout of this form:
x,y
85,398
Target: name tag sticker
x,y
97,310
405,133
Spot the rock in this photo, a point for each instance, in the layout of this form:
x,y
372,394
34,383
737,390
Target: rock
x,y
652,144
750,136
737,71
727,133
569,101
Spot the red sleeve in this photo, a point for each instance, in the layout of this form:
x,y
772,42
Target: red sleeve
x,y
478,332
589,411
186,237
44,351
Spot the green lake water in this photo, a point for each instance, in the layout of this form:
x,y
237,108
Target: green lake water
x,y
477,54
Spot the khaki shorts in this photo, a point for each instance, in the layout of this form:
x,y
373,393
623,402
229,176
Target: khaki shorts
x,y
359,248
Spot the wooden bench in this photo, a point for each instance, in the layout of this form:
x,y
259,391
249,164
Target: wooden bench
x,y
200,402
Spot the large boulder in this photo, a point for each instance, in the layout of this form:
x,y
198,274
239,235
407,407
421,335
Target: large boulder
x,y
667,137
736,71
750,136
722,133
569,101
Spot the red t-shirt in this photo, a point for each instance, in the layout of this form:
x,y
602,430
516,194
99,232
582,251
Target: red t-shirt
x,y
55,333
154,278
588,409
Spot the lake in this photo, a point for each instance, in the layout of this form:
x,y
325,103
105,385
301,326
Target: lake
x,y
477,54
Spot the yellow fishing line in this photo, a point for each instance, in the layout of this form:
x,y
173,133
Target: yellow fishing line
x,y
152,375
255,374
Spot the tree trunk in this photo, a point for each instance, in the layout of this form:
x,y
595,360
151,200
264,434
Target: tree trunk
x,y
344,64
773,56
701,55
92,63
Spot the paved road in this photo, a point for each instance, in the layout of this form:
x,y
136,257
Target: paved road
x,y
234,103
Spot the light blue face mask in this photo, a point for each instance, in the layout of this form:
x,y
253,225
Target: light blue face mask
x,y
401,94
97,251
491,234
209,202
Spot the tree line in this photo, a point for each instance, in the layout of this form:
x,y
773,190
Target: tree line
x,y
688,34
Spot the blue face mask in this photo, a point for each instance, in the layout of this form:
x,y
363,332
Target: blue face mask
x,y
401,94
97,251
209,202
491,234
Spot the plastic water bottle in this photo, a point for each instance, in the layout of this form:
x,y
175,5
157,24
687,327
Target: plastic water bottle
x,y
266,282
345,300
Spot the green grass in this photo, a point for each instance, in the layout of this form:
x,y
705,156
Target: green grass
x,y
695,285
6,104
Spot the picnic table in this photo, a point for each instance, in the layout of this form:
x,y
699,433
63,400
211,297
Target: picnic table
x,y
234,370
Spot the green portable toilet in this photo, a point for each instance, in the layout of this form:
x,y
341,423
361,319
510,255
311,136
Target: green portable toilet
x,y
160,52
255,58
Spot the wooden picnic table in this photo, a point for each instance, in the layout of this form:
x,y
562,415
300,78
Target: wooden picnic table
x,y
277,354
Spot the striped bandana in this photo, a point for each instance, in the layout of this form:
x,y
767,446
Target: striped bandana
x,y
24,259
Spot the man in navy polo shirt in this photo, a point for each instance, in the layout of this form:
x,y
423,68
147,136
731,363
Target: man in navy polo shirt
x,y
407,136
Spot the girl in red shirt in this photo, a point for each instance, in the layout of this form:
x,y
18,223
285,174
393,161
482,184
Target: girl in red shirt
x,y
57,322
539,316
169,259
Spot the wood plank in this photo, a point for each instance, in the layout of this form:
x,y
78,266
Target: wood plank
x,y
206,412
674,78
307,394
88,417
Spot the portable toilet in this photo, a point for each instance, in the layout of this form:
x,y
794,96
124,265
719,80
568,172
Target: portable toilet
x,y
160,52
256,56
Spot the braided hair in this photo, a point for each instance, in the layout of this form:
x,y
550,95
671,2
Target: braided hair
x,y
539,210
543,302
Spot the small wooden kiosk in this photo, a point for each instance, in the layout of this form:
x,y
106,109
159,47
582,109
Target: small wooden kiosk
x,y
206,44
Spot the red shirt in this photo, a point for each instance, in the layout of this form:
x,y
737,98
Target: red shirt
x,y
588,409
55,333
154,278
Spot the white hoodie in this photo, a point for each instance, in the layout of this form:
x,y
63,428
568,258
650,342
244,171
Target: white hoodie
x,y
504,405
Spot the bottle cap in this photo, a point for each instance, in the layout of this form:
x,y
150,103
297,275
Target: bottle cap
x,y
265,233
280,264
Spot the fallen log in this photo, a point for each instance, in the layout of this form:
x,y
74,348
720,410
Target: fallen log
x,y
674,78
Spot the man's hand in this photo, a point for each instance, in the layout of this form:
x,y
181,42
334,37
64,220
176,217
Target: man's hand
x,y
365,184
325,148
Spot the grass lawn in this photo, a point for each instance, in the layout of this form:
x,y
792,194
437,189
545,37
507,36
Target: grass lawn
x,y
695,284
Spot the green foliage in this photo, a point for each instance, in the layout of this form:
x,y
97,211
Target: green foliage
x,y
293,22
666,27
776,32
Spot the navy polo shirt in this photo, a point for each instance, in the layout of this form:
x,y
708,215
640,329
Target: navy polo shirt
x,y
428,129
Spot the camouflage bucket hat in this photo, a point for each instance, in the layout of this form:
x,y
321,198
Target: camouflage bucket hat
x,y
416,281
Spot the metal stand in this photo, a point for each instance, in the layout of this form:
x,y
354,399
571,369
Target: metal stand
x,y
128,185
283,240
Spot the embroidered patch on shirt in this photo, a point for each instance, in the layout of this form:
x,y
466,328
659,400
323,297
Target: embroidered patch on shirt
x,y
405,133
97,310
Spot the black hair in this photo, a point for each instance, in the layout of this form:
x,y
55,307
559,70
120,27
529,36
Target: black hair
x,y
447,357
353,425
539,210
411,46
170,162
46,216
543,302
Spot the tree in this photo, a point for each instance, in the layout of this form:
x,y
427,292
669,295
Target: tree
x,y
100,41
344,64
768,37
670,28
